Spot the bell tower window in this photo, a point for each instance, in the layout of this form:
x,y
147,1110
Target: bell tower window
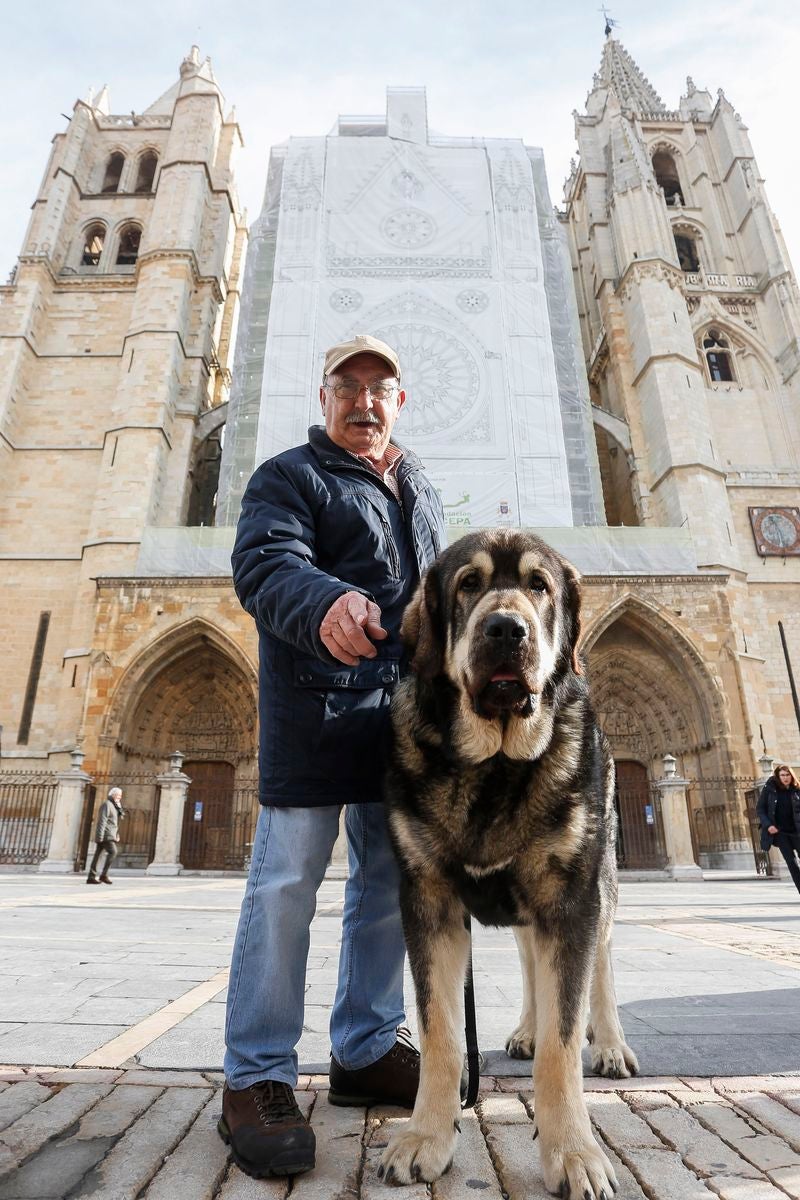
x,y
93,241
718,357
128,250
113,172
686,248
147,171
666,173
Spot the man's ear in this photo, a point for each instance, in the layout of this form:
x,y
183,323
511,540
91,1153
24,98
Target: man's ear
x,y
573,583
420,629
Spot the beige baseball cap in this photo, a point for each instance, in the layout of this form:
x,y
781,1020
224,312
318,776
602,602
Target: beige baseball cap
x,y
362,343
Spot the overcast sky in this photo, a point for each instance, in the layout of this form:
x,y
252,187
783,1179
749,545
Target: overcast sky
x,y
498,68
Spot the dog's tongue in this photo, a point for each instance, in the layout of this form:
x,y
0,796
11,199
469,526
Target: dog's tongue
x,y
501,676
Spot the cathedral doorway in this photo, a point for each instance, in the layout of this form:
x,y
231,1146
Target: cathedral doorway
x,y
207,815
653,696
192,692
640,839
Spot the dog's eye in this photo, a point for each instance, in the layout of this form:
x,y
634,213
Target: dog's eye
x,y
470,582
537,584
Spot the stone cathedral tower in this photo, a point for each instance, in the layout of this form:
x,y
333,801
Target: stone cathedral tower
x,y
116,331
690,323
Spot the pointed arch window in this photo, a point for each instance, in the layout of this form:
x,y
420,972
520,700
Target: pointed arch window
x,y
113,172
128,250
146,172
719,359
205,479
666,172
686,249
93,241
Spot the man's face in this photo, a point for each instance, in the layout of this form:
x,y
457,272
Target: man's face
x,y
362,423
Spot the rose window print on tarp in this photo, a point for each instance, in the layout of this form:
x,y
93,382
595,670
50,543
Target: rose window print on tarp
x,y
408,228
440,375
471,300
346,300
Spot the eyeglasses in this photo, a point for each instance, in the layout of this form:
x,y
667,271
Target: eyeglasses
x,y
351,391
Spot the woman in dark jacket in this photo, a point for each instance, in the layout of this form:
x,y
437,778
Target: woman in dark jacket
x,y
779,814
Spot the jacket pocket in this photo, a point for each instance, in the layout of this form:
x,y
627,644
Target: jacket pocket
x,y
350,737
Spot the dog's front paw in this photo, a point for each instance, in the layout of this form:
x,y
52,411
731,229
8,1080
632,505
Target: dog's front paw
x,y
412,1156
579,1172
522,1042
615,1060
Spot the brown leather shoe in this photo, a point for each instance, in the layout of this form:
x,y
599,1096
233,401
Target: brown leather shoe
x,y
393,1079
266,1131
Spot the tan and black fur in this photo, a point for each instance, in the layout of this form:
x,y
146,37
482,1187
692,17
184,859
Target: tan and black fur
x,y
500,803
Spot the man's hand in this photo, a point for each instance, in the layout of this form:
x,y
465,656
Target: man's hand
x,y
347,627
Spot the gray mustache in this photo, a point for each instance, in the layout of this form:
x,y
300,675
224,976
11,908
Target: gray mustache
x,y
367,418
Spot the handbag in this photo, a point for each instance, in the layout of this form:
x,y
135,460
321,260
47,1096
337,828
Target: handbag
x,y
766,839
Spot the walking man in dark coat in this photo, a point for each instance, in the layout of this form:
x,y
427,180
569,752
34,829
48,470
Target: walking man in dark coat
x,y
332,539
106,836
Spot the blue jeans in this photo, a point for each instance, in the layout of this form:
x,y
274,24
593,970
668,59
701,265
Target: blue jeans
x,y
268,968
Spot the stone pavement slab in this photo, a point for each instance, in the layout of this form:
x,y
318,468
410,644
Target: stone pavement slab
x,y
699,968
123,1139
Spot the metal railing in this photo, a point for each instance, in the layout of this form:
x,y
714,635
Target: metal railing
x,y
137,828
27,802
725,828
219,823
640,833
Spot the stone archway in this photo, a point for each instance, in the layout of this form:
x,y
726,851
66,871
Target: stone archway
x,y
653,693
199,702
190,690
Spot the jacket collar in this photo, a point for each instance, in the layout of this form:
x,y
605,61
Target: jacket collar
x,y
327,451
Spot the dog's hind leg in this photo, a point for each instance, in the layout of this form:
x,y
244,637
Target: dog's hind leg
x,y
438,950
522,1042
611,1055
573,1164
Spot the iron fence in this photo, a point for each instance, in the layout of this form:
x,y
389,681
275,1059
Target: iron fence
x,y
138,826
725,828
219,826
27,803
640,832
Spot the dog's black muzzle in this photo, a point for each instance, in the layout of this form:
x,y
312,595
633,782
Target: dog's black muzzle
x,y
504,648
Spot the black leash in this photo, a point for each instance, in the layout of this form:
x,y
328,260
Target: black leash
x,y
471,1030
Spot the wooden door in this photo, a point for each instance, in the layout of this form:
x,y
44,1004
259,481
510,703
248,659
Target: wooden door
x,y
207,815
640,840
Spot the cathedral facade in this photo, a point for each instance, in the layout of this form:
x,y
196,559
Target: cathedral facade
x,y
620,376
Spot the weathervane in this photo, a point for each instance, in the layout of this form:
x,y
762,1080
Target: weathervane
x,y
610,22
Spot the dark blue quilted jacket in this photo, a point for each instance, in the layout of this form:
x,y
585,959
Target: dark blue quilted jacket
x,y
315,524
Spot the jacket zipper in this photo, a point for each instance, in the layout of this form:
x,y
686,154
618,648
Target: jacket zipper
x,y
391,545
387,528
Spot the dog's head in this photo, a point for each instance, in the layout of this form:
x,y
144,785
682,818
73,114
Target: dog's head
x,y
498,614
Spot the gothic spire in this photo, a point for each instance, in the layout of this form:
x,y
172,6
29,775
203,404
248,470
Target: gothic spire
x,y
620,72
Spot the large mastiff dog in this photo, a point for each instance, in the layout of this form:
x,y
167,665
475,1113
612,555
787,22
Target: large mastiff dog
x,y
501,805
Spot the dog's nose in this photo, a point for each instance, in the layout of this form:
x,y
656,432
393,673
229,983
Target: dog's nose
x,y
507,628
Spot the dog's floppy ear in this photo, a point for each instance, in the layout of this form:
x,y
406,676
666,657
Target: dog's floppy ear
x,y
420,629
573,584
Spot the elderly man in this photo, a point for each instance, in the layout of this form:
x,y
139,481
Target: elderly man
x,y
331,542
106,836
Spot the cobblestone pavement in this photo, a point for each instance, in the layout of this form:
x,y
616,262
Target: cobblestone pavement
x,y
112,1009
122,1134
